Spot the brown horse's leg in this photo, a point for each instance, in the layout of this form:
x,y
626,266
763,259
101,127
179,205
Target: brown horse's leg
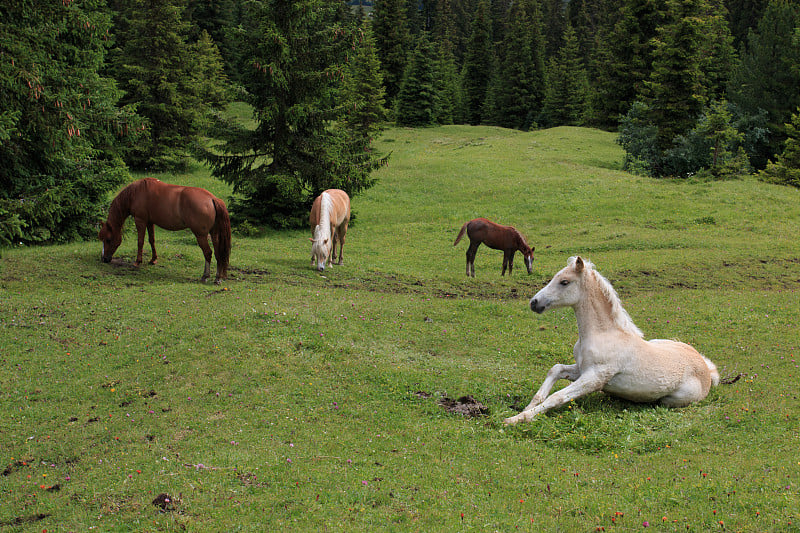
x,y
140,229
202,242
151,234
471,251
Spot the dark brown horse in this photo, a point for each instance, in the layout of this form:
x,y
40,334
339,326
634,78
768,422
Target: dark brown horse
x,y
497,237
172,207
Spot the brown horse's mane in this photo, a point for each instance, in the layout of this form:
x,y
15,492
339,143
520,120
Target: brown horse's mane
x,y
520,239
120,206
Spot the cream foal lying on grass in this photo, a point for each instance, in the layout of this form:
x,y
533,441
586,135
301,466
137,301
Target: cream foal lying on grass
x,y
611,354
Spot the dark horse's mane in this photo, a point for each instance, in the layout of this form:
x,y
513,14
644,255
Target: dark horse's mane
x,y
120,206
519,238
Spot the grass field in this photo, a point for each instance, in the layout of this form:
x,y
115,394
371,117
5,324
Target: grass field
x,y
289,400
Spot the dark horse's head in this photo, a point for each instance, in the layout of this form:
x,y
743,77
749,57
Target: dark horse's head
x,y
528,255
111,240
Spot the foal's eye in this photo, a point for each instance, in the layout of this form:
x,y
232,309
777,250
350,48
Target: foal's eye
x,y
564,282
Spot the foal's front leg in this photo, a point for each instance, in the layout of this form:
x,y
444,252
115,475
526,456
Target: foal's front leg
x,y
588,382
570,372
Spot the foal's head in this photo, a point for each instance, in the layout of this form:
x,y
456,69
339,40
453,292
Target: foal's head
x,y
565,289
111,240
320,249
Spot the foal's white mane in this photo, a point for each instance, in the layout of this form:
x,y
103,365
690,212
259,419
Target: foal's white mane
x,y
619,315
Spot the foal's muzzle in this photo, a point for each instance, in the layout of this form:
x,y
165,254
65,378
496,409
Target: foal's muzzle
x,y
537,306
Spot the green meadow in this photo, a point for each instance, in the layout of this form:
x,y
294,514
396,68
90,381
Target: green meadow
x,y
289,400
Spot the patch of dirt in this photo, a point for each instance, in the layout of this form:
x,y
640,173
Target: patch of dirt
x,y
20,520
466,405
165,502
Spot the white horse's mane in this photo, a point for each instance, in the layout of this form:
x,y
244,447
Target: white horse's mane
x,y
618,314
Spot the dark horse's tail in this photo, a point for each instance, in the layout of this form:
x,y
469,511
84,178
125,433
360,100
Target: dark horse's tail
x,y
461,233
222,226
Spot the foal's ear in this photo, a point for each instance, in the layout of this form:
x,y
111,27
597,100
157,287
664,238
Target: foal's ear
x,y
579,264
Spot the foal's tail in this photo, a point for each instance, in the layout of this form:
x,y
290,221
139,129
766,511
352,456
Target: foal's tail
x,y
714,372
223,229
461,233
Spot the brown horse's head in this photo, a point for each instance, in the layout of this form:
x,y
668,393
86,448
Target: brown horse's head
x,y
111,240
528,255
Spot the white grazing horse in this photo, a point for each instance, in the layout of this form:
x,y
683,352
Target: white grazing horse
x,y
611,354
330,215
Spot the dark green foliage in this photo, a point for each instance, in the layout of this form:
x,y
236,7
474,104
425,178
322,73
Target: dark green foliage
x,y
769,74
623,61
363,92
674,93
567,96
712,148
518,88
296,54
59,126
417,100
743,15
785,170
393,39
174,84
478,61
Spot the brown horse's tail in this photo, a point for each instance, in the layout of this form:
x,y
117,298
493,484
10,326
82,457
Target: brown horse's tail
x,y
223,228
461,233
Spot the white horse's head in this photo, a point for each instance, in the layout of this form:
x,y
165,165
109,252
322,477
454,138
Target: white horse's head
x,y
565,289
320,249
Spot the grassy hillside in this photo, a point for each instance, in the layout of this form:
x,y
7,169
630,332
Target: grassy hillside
x,y
289,400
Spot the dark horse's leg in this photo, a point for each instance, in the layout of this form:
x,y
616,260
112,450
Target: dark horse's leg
x,y
508,261
471,252
202,242
151,234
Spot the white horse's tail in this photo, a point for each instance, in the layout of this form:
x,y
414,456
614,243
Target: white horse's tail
x,y
714,372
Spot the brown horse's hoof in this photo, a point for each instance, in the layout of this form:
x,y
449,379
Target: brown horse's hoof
x,y
153,261
137,264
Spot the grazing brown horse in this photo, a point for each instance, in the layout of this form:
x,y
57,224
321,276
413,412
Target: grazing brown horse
x,y
330,215
497,237
172,207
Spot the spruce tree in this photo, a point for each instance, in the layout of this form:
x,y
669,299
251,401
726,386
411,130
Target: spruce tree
x,y
393,40
566,96
157,69
768,76
363,95
673,92
518,84
417,99
302,144
478,61
60,127
623,60
785,169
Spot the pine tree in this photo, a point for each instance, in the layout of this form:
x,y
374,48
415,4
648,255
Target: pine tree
x,y
768,76
393,39
302,144
566,96
155,66
785,170
363,95
417,99
518,85
478,60
623,60
674,92
60,127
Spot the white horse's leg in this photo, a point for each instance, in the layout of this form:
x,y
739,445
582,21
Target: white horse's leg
x,y
570,372
587,383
